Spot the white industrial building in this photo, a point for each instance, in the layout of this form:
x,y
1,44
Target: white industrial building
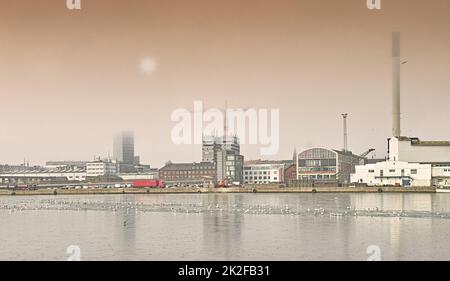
x,y
411,162
101,168
393,173
441,175
417,151
32,176
398,173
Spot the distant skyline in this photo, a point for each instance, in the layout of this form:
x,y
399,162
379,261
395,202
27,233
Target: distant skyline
x,y
71,80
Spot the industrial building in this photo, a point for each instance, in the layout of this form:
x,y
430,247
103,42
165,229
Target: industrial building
x,y
40,175
66,164
393,173
322,164
411,161
417,151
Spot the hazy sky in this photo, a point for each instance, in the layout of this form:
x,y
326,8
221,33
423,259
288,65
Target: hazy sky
x,y
69,80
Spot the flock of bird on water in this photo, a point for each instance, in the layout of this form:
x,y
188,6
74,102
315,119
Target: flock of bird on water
x,y
198,208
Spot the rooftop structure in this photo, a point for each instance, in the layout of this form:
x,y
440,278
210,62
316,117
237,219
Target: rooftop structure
x,y
414,150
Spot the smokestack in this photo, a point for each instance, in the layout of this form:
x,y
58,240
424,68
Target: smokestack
x,y
345,115
396,132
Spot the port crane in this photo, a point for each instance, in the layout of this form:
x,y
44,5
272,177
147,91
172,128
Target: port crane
x,y
365,154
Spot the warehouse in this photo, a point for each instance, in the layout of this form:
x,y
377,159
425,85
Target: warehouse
x,y
393,173
321,164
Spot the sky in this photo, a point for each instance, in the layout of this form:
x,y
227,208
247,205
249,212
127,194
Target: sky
x,y
71,79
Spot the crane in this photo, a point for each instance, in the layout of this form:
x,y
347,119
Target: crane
x,y
364,155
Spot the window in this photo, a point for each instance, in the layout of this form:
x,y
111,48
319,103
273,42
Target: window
x,y
391,171
371,171
414,172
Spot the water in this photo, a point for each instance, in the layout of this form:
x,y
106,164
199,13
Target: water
x,y
226,226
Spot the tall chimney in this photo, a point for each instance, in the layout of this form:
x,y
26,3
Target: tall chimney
x,y
396,132
345,115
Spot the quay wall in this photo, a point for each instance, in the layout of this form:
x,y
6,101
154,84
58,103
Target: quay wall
x,y
247,189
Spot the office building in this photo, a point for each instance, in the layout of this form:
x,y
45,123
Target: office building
x,y
266,172
230,166
123,150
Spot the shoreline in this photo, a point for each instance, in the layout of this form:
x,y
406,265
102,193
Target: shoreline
x,y
250,189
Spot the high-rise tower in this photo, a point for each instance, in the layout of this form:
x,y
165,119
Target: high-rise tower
x,y
124,148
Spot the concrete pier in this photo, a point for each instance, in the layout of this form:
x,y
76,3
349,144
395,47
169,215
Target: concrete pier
x,y
248,189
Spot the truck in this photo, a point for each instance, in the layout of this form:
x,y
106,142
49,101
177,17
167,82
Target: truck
x,y
223,183
148,184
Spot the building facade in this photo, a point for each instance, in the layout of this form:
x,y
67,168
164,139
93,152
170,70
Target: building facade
x,y
290,173
321,164
393,173
440,175
230,166
40,176
416,151
123,148
224,153
411,162
264,172
66,164
101,168
188,173
212,145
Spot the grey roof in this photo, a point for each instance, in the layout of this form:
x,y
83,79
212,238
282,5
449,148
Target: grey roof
x,y
417,142
186,166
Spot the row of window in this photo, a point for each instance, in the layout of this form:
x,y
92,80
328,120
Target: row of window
x,y
181,177
317,169
187,172
319,177
317,162
259,172
393,171
260,178
203,167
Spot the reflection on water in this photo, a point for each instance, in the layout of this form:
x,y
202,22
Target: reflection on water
x,y
226,226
